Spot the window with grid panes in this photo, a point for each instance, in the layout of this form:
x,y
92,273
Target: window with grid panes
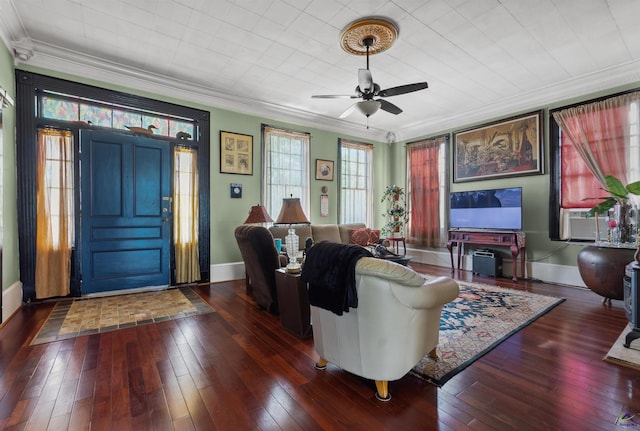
x,y
356,179
286,168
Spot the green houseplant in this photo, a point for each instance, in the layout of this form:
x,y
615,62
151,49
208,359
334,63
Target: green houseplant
x,y
395,213
624,212
619,195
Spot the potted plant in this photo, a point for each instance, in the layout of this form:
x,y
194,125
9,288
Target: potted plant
x,y
624,212
395,213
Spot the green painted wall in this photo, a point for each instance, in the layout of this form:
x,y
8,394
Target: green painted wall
x,y
535,189
227,213
389,168
10,257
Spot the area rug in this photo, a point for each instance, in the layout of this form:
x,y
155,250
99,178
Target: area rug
x,y
85,316
477,321
620,355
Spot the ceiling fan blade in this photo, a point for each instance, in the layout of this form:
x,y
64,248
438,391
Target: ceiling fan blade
x,y
335,96
403,89
389,107
349,110
365,80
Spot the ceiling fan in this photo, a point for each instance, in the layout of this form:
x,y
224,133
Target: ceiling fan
x,y
370,92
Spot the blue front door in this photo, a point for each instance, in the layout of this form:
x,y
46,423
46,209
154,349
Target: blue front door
x,y
126,209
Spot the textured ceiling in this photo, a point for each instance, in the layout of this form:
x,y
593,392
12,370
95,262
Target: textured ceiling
x,y
482,58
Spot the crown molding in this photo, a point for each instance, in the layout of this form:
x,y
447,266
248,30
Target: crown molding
x,y
11,28
70,62
61,60
579,87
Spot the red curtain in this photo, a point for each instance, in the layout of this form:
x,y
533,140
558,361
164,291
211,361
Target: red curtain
x,y
423,189
595,139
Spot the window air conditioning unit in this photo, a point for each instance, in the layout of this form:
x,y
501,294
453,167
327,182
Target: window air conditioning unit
x,y
583,228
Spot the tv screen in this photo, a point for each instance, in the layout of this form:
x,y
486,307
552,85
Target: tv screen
x,y
486,209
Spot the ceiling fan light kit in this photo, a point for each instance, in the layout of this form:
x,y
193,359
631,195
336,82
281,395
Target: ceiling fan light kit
x,y
368,107
366,37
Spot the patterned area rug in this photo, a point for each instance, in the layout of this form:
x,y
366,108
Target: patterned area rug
x,y
85,316
620,355
477,321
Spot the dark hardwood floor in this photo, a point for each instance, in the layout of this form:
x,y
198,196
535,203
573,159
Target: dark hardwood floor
x,y
237,369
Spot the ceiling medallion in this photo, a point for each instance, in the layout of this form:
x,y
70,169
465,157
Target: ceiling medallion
x,y
382,31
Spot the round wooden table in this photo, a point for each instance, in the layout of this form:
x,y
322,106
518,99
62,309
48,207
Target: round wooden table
x,y
602,269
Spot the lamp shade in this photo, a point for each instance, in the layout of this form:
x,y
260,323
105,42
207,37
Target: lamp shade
x,y
258,214
291,212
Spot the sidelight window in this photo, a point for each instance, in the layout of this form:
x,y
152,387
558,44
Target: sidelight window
x,y
186,215
54,225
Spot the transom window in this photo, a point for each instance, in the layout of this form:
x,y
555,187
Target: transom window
x,y
71,108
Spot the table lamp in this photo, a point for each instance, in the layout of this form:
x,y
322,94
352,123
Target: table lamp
x,y
258,215
291,213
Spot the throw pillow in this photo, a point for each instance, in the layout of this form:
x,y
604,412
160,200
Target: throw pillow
x,y
374,236
359,236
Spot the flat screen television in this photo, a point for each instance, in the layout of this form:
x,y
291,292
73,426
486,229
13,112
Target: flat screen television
x,y
499,209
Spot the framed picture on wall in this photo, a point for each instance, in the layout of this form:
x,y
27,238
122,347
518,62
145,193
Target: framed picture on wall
x,y
324,170
505,148
236,153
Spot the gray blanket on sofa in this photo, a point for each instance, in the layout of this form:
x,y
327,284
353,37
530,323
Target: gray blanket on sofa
x,y
330,270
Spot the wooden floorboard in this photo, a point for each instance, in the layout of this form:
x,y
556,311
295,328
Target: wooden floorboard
x,y
238,369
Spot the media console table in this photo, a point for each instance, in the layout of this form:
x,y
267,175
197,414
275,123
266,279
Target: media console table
x,y
512,239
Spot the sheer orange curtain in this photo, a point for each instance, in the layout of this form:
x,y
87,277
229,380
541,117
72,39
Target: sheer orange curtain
x,y
54,219
423,192
186,215
599,136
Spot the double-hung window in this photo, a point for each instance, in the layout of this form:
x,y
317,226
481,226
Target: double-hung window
x,y
427,191
356,182
590,141
286,168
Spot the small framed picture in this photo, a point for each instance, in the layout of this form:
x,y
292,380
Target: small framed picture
x,y
236,153
324,170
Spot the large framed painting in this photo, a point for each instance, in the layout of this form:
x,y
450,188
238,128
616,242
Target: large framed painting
x,y
236,153
505,148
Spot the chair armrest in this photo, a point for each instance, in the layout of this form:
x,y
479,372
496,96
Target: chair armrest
x,y
433,293
389,271
283,260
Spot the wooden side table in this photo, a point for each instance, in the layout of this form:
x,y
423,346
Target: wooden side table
x,y
395,242
293,303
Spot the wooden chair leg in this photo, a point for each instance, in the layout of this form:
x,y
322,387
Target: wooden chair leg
x,y
382,390
433,354
321,364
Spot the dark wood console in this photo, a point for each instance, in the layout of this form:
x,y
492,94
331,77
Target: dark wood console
x,y
512,239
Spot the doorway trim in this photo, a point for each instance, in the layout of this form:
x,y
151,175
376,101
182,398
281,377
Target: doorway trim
x,y
28,86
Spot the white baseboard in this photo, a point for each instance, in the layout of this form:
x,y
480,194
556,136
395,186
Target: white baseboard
x,y
546,272
11,300
226,272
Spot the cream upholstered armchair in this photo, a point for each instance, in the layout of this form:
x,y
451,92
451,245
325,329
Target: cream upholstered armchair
x,y
395,324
